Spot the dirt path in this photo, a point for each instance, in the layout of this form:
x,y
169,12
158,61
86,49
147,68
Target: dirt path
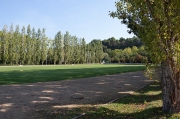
x,y
21,101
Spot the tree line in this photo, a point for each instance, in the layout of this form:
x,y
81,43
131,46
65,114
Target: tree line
x,y
31,47
127,55
129,50
121,43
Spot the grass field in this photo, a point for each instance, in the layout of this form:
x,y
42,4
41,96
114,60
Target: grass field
x,y
31,74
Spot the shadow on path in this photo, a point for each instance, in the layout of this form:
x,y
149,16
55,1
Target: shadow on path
x,y
22,101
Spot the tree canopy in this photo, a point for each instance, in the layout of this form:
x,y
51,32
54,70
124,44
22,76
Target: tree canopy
x,y
30,47
156,23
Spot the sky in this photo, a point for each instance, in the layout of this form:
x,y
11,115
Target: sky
x,y
87,19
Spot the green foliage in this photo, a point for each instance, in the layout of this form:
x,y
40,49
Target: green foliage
x,y
96,50
128,55
58,47
154,22
31,47
121,43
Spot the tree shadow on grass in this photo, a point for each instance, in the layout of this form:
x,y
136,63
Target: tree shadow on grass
x,y
147,94
105,113
122,109
148,98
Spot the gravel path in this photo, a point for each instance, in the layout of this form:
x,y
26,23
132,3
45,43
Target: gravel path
x,y
22,101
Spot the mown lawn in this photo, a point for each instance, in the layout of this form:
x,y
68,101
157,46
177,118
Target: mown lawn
x,y
31,74
143,104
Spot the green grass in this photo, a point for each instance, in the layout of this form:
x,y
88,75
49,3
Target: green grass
x,y
31,74
143,104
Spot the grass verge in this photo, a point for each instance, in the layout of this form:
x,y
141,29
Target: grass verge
x,y
31,74
143,104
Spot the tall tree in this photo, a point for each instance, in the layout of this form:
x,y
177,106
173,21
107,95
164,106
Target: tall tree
x,y
99,51
58,46
34,46
29,45
38,48
88,53
23,50
50,51
72,49
1,46
156,23
77,50
43,46
11,49
5,45
17,37
92,49
83,51
66,47
55,56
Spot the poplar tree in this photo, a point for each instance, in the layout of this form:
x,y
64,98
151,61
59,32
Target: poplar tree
x,y
23,46
66,47
83,51
99,51
30,47
55,56
34,47
92,48
17,37
88,53
71,50
0,45
43,46
11,43
77,51
58,46
38,43
29,51
5,45
50,51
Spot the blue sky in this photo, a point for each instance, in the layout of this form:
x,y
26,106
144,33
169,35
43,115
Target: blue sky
x,y
83,18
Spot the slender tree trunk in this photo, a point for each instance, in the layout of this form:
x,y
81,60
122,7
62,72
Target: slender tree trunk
x,y
170,88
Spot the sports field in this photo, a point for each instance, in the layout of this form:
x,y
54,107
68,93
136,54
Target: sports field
x,y
46,73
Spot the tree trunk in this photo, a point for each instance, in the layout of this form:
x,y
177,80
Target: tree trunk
x,y
170,79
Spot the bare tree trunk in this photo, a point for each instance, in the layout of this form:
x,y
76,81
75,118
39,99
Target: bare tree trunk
x,y
170,88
